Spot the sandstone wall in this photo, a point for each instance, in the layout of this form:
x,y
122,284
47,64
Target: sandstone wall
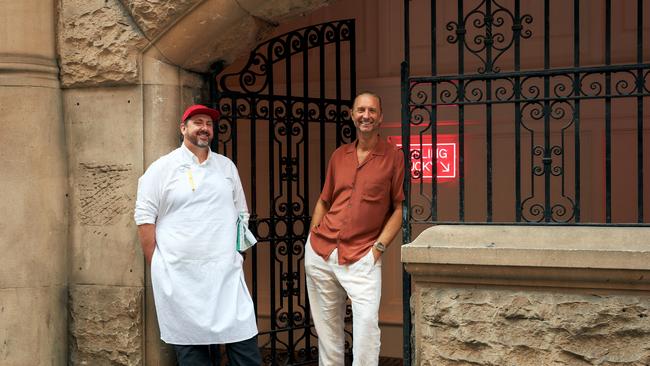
x,y
98,43
530,296
510,327
108,334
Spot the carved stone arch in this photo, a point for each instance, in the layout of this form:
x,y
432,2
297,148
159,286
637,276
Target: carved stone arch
x,y
100,42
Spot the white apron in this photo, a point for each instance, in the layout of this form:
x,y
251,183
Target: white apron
x,y
198,282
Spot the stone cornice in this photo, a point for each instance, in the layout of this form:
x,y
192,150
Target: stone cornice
x,y
576,257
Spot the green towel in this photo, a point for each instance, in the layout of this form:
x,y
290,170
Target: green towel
x,y
245,238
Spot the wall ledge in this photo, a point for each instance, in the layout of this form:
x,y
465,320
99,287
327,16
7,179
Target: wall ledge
x,y
555,256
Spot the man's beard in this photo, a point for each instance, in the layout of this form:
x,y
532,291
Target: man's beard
x,y
200,143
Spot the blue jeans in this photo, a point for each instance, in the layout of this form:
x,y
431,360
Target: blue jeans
x,y
243,353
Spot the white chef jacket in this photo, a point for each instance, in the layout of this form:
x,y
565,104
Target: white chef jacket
x,y
198,282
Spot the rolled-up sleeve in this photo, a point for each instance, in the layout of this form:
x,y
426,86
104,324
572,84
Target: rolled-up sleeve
x,y
148,198
328,186
238,191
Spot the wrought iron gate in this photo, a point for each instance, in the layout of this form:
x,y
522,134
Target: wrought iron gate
x,y
563,161
283,114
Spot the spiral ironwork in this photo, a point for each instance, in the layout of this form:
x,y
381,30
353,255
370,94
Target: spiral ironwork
x,y
546,112
258,102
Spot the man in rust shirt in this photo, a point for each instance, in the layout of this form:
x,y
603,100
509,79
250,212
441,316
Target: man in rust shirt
x,y
358,214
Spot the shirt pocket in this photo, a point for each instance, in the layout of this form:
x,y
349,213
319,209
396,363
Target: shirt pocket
x,y
374,192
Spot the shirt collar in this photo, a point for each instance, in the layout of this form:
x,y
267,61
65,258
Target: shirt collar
x,y
189,155
379,149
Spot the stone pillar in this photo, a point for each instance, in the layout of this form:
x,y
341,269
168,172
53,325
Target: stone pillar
x,y
33,188
523,295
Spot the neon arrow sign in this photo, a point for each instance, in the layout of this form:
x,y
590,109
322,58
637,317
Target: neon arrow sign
x,y
422,157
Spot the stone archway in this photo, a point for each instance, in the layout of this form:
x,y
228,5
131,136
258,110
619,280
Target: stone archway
x,y
128,67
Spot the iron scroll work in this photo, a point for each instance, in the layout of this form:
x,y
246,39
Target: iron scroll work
x,y
547,173
295,89
535,145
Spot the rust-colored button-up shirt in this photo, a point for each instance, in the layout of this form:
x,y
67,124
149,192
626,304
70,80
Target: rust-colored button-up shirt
x,y
361,198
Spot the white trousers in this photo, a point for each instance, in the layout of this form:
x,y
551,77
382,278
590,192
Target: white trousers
x,y
328,283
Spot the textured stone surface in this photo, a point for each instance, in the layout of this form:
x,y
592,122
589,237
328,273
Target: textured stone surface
x,y
103,192
462,326
105,325
153,16
98,43
104,140
275,10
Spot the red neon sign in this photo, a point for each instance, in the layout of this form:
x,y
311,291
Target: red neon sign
x,y
422,157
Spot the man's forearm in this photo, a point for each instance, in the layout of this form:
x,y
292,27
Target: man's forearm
x,y
319,212
147,236
392,227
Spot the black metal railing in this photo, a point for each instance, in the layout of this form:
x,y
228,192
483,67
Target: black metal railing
x,y
558,138
543,108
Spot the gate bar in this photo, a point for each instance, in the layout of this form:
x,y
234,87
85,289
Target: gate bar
x,y
576,104
406,212
639,113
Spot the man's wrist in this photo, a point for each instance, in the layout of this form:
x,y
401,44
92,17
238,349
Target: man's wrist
x,y
379,246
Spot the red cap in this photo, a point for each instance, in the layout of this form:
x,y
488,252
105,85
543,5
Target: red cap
x,y
200,109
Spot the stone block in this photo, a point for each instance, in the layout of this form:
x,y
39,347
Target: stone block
x,y
155,71
98,43
33,188
467,326
28,28
104,136
33,326
106,325
162,121
154,16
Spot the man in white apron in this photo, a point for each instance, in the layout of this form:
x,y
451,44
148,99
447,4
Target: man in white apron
x,y
186,210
